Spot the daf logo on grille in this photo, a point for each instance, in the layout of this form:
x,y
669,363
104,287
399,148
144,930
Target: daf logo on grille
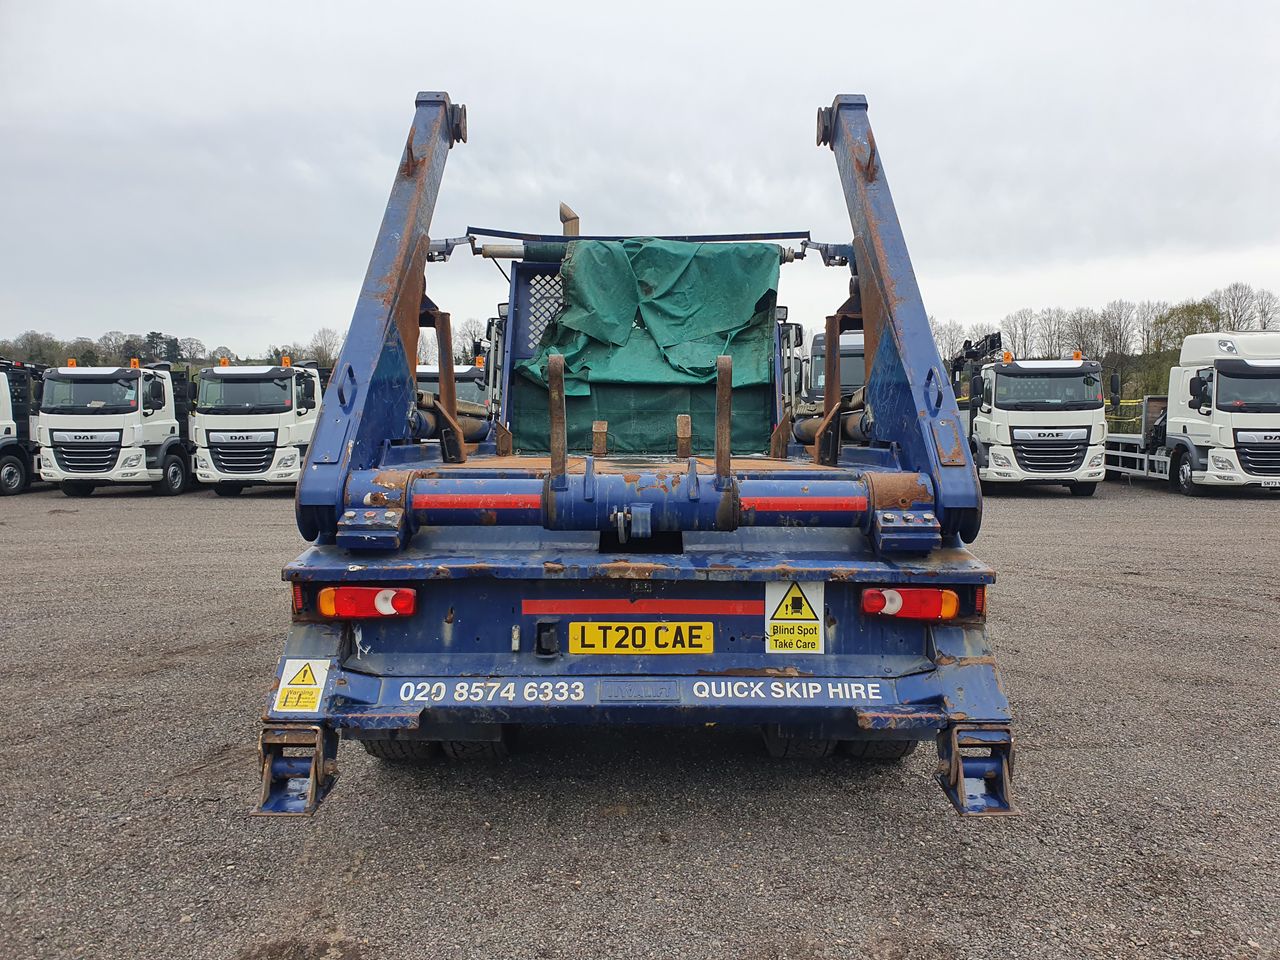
x,y
1049,434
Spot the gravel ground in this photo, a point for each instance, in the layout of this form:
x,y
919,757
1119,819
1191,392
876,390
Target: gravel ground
x,y
1137,632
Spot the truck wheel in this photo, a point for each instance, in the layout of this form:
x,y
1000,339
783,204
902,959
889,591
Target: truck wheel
x,y
173,480
782,747
473,750
234,490
401,751
1083,489
13,475
76,488
1182,478
880,751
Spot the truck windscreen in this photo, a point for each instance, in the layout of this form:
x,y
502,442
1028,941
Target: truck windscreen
x,y
853,371
88,395
244,395
1248,394
471,391
1068,390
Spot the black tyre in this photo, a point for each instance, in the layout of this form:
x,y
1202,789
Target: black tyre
x,y
880,751
234,490
401,751
174,477
473,750
76,488
1180,476
13,475
1083,489
782,747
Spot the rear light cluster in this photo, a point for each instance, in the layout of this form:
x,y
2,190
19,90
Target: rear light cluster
x,y
911,603
353,603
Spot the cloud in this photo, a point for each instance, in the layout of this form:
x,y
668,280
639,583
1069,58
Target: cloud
x,y
220,171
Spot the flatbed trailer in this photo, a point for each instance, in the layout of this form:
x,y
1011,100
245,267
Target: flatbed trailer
x,y
563,571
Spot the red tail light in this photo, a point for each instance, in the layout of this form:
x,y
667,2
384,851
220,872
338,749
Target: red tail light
x,y
911,603
297,598
357,602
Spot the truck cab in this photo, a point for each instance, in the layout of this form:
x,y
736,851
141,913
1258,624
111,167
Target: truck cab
x,y
1223,416
1039,421
109,425
252,424
20,385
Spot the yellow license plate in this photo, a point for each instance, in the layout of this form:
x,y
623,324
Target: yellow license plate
x,y
680,636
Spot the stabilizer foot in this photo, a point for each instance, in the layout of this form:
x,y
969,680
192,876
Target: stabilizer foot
x,y
978,782
299,768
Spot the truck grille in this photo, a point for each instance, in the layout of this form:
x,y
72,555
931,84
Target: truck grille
x,y
1061,452
242,457
1260,460
86,457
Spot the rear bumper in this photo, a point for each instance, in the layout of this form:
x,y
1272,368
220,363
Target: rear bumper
x,y
361,705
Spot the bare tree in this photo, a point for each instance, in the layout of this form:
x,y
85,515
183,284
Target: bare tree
x,y
111,345
220,352
1051,331
1018,332
465,333
1084,332
192,349
948,335
1116,325
1146,315
325,346
1266,308
1235,303
427,348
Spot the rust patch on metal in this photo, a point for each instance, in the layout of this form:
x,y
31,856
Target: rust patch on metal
x,y
888,491
550,566
631,570
945,660
757,672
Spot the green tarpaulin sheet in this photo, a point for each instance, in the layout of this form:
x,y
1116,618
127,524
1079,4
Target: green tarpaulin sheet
x,y
642,325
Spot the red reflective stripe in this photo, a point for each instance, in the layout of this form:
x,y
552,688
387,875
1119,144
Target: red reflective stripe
x,y
477,501
723,608
806,504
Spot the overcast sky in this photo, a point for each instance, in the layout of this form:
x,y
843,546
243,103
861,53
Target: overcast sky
x,y
219,170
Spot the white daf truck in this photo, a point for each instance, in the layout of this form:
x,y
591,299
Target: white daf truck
x,y
252,425
1039,421
109,425
1219,426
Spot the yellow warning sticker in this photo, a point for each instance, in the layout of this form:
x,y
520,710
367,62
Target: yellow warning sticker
x,y
302,684
794,624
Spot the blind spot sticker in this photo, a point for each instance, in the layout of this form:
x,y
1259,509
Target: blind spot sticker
x,y
794,621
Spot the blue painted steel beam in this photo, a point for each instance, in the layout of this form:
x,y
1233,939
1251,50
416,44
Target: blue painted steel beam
x,y
907,390
371,392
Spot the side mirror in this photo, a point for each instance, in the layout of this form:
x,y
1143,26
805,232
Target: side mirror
x,y
155,396
1196,388
1115,390
308,399
975,393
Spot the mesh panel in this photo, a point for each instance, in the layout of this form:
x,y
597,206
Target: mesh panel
x,y
546,300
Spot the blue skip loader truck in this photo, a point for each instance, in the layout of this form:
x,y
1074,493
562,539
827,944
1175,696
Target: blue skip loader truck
x,y
640,532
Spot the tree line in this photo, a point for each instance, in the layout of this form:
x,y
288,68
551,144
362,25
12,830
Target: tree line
x,y
115,348
1140,341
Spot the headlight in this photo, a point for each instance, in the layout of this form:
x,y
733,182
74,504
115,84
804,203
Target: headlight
x,y
1222,463
1095,460
202,463
289,461
1000,460
132,460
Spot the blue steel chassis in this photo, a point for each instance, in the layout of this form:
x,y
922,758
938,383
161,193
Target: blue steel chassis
x,y
381,509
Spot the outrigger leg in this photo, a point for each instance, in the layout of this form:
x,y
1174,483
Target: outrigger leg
x,y
299,767
977,783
